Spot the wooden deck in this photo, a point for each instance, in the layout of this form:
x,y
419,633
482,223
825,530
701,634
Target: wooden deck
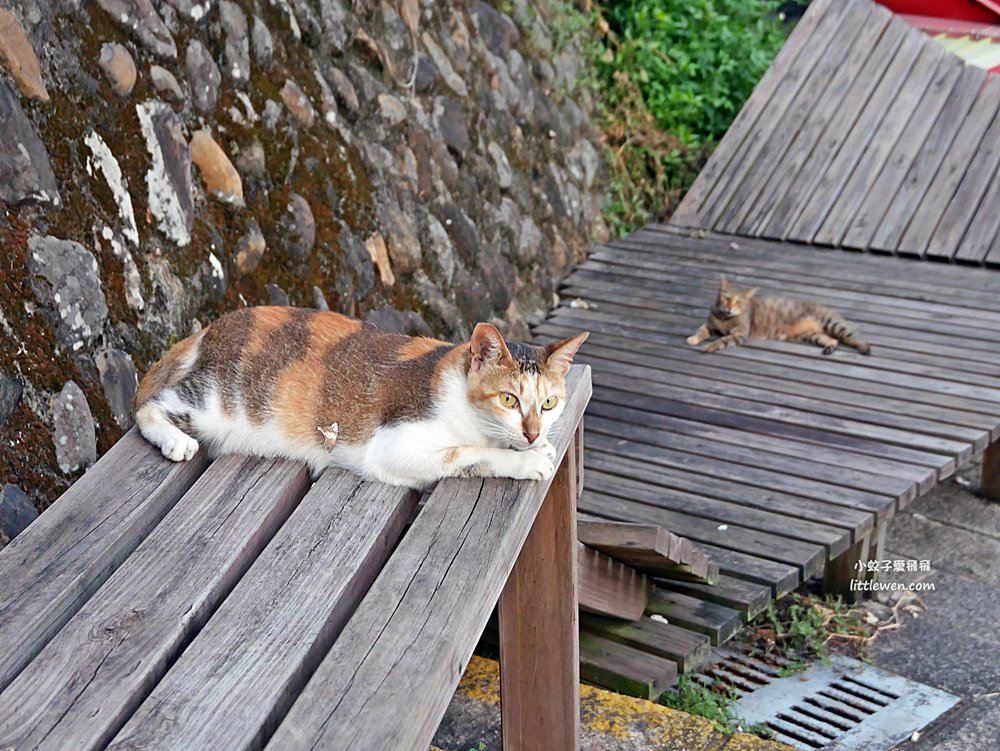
x,y
864,134
780,463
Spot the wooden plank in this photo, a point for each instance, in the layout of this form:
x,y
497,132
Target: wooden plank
x,y
925,419
717,622
644,547
444,577
804,185
906,279
236,681
607,586
779,577
978,184
963,152
56,564
746,597
984,230
990,485
869,164
84,685
624,669
689,210
854,39
736,464
830,388
927,161
639,463
539,627
862,131
899,373
688,649
905,154
787,92
613,497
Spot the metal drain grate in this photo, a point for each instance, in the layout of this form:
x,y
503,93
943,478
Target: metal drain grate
x,y
846,706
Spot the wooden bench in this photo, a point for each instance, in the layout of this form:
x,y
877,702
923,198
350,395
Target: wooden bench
x,y
778,462
234,604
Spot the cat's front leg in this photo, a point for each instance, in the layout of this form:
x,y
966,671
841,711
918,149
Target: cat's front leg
x,y
699,336
730,340
536,463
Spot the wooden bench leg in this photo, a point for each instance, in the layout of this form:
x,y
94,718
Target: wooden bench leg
x,y
539,628
843,570
990,486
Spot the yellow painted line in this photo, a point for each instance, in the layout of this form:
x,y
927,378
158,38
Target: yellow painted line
x,y
623,717
983,53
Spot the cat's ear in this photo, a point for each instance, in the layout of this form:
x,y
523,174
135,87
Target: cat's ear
x,y
559,355
487,346
723,283
751,292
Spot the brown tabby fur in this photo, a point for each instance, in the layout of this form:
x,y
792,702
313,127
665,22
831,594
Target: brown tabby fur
x,y
739,314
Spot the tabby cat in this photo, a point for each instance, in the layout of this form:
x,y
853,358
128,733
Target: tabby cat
x,y
739,314
329,390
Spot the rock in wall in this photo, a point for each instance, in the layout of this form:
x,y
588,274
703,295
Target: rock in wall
x,y
421,164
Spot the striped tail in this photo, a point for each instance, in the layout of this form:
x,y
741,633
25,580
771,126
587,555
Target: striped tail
x,y
843,332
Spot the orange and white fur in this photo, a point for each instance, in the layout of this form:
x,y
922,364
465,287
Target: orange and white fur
x,y
330,390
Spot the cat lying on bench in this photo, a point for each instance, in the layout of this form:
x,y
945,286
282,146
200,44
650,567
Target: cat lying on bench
x,y
738,314
330,390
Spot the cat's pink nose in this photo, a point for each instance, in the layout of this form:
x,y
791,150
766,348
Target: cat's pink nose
x,y
530,436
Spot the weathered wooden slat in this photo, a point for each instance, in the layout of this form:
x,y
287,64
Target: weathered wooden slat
x,y
609,587
608,493
984,230
962,154
909,146
990,484
638,465
444,577
934,283
850,45
868,165
808,180
688,212
56,564
645,547
900,373
831,389
688,649
874,19
235,682
779,577
717,622
624,669
928,420
754,140
84,685
746,597
978,184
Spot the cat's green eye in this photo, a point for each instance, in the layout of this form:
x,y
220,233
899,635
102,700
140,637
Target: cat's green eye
x,y
550,402
508,400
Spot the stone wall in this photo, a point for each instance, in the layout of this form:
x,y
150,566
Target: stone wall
x,y
424,165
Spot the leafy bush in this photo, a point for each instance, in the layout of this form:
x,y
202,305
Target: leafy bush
x,y
670,76
695,61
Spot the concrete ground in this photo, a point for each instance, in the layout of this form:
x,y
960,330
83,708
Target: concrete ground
x,y
955,644
610,722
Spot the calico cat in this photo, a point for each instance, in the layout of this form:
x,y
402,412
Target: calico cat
x,y
739,314
330,390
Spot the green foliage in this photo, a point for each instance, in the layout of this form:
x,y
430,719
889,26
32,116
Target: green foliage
x,y
668,77
695,61
711,701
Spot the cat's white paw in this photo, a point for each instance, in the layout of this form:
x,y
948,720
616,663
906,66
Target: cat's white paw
x,y
546,448
179,448
693,340
534,465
